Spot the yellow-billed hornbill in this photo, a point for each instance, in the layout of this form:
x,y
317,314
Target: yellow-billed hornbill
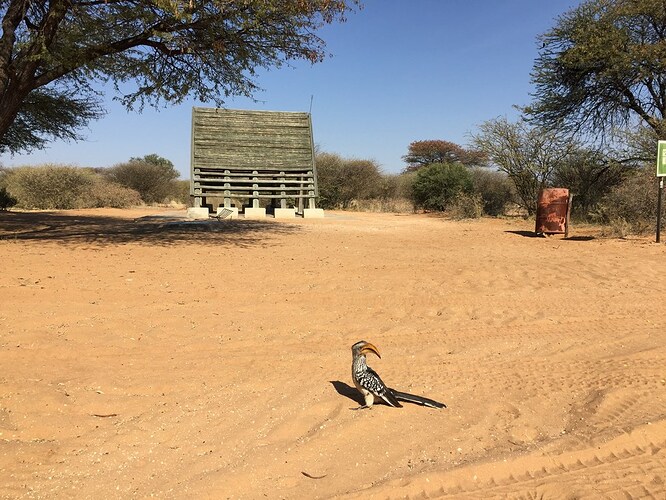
x,y
371,385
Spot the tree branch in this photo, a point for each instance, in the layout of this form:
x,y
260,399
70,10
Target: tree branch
x,y
34,55
10,22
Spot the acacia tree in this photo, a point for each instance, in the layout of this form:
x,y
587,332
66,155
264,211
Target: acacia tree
x,y
528,155
53,53
422,153
602,66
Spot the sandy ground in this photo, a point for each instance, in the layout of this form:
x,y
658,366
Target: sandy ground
x,y
143,358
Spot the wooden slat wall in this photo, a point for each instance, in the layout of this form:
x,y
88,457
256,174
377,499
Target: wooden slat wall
x,y
242,142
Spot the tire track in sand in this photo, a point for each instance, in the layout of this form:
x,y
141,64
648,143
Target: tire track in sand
x,y
632,465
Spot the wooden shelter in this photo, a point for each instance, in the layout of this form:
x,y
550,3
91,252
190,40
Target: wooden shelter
x,y
253,155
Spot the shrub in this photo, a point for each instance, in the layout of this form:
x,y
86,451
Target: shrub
x,y
6,200
404,184
153,177
384,205
437,185
589,176
495,189
329,167
387,187
342,181
631,207
465,206
363,180
181,192
49,186
103,193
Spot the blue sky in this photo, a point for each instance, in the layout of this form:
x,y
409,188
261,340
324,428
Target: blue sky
x,y
399,71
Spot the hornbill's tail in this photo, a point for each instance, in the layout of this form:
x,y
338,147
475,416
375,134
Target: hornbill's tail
x,y
419,400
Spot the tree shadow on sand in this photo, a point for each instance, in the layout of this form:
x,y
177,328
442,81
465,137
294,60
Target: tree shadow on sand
x,y
71,228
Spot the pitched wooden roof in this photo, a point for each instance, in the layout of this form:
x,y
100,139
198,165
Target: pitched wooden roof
x,y
224,139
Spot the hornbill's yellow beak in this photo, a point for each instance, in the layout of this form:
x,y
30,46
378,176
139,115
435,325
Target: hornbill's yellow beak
x,y
368,347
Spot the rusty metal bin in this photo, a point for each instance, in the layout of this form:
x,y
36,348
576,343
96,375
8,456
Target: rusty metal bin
x,y
553,209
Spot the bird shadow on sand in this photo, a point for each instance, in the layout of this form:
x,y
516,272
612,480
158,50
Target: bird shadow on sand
x,y
348,391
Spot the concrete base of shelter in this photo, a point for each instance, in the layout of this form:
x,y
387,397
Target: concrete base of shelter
x,y
232,215
197,213
285,213
255,213
313,213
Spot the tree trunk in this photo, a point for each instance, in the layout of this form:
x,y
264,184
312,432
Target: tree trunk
x,y
10,105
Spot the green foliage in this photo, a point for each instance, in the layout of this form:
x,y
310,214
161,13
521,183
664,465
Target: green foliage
x,y
155,159
7,201
495,189
602,66
342,181
437,185
422,153
631,207
151,52
47,114
151,176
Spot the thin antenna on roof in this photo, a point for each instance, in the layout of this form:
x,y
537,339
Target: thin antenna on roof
x,y
311,99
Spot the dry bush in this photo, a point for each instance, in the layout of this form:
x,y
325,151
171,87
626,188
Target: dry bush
x,y
465,206
49,186
631,207
495,188
180,192
103,193
620,228
343,180
383,205
154,181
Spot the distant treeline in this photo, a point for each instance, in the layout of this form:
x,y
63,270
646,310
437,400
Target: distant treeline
x,y
440,176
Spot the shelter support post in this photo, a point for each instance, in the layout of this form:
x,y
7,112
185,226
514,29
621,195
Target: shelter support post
x,y
311,199
283,193
227,192
255,186
301,205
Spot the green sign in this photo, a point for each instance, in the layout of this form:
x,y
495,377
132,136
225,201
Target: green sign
x,y
661,159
